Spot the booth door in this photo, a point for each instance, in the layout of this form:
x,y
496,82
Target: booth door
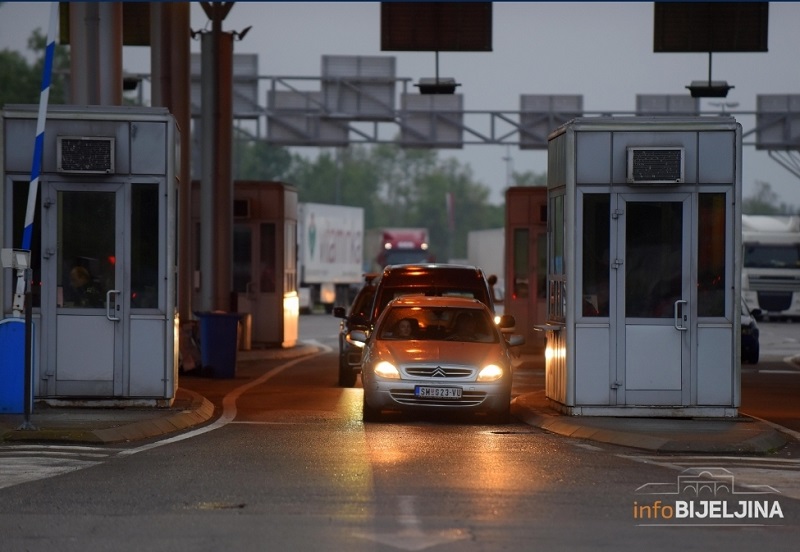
x,y
654,302
83,287
255,282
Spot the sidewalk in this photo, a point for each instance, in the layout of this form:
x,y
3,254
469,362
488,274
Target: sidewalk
x,y
190,409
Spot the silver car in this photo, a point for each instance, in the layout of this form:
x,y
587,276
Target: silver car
x,y
437,354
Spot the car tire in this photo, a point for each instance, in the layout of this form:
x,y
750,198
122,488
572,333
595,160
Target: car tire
x,y
347,376
369,414
501,416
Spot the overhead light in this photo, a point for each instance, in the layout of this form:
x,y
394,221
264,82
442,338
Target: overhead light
x,y
437,86
709,89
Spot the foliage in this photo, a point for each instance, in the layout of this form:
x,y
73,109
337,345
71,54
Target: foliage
x,y
22,81
765,201
402,188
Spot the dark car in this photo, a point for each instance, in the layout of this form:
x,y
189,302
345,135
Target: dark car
x,y
750,345
357,318
439,280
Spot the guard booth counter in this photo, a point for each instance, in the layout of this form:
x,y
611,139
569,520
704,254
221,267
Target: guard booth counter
x,y
526,262
263,263
643,264
103,249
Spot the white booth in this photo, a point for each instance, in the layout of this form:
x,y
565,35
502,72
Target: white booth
x,y
644,231
103,249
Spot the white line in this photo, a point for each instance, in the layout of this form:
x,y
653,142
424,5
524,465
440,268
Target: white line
x,y
229,404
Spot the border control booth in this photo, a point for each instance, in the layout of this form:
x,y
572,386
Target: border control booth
x,y
644,232
103,250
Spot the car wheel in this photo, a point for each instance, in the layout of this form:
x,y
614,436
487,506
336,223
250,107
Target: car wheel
x,y
369,414
501,416
752,358
347,376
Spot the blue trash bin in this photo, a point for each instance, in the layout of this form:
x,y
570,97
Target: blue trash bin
x,y
12,366
219,342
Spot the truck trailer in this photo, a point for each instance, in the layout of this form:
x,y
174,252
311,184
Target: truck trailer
x,y
330,253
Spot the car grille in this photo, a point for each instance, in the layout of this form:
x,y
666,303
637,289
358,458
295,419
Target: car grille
x,y
438,372
468,399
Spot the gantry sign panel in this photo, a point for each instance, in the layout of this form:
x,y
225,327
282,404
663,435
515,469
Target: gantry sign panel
x,y
359,87
778,121
541,114
295,118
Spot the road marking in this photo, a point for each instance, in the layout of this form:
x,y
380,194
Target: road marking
x,y
229,403
411,536
26,463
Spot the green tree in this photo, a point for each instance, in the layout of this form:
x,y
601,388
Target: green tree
x,y
22,81
765,201
258,160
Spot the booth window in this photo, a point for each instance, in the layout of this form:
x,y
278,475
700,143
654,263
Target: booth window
x,y
653,263
521,247
596,240
711,234
144,246
242,258
556,289
290,257
268,246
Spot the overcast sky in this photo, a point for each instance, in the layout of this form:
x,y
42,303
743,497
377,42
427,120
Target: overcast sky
x,y
603,51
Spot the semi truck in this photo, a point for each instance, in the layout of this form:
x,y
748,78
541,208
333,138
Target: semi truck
x,y
486,249
771,265
330,242
388,246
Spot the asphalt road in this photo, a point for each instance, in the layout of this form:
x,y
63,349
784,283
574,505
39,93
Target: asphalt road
x,y
290,466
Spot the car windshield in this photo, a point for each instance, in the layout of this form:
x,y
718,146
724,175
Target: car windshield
x,y
438,324
771,256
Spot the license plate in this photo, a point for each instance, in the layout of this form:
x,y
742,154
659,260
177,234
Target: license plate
x,y
437,392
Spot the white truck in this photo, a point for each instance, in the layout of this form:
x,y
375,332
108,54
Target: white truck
x,y
771,265
486,249
330,242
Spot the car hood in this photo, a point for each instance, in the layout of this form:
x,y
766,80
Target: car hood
x,y
443,352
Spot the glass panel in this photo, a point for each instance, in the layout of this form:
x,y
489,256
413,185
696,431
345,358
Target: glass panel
x,y
557,283
86,248
268,259
596,236
242,258
541,265
290,257
20,205
711,255
653,259
521,247
145,246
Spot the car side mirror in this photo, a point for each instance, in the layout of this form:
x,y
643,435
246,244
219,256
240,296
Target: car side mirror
x,y
357,337
507,321
515,340
339,312
755,313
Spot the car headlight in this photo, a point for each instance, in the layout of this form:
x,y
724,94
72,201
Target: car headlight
x,y
386,370
492,372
